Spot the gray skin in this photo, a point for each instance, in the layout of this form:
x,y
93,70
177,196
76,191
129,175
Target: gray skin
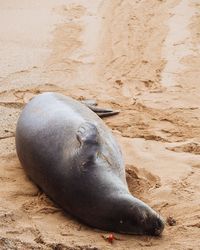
x,y
67,150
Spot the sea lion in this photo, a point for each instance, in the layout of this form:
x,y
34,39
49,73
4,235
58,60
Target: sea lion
x,y
67,150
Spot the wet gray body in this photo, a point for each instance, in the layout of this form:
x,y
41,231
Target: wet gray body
x,y
68,151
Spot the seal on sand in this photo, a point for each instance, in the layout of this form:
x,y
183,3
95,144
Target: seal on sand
x,y
67,150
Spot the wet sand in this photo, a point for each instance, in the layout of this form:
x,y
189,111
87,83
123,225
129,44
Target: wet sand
x,y
141,57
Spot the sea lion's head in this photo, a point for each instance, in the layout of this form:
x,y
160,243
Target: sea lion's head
x,y
132,216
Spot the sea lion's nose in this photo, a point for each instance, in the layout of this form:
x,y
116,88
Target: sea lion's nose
x,y
159,226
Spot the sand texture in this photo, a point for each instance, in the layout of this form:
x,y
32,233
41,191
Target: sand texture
x,y
140,57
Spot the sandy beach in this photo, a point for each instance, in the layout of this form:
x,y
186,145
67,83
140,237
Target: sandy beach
x,y
140,57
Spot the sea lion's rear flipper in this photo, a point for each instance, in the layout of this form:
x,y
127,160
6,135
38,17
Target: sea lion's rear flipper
x,y
88,136
101,112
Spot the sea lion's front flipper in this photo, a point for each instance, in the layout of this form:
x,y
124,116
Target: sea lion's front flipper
x,y
88,136
101,112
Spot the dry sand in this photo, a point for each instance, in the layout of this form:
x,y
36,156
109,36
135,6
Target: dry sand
x,y
141,57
